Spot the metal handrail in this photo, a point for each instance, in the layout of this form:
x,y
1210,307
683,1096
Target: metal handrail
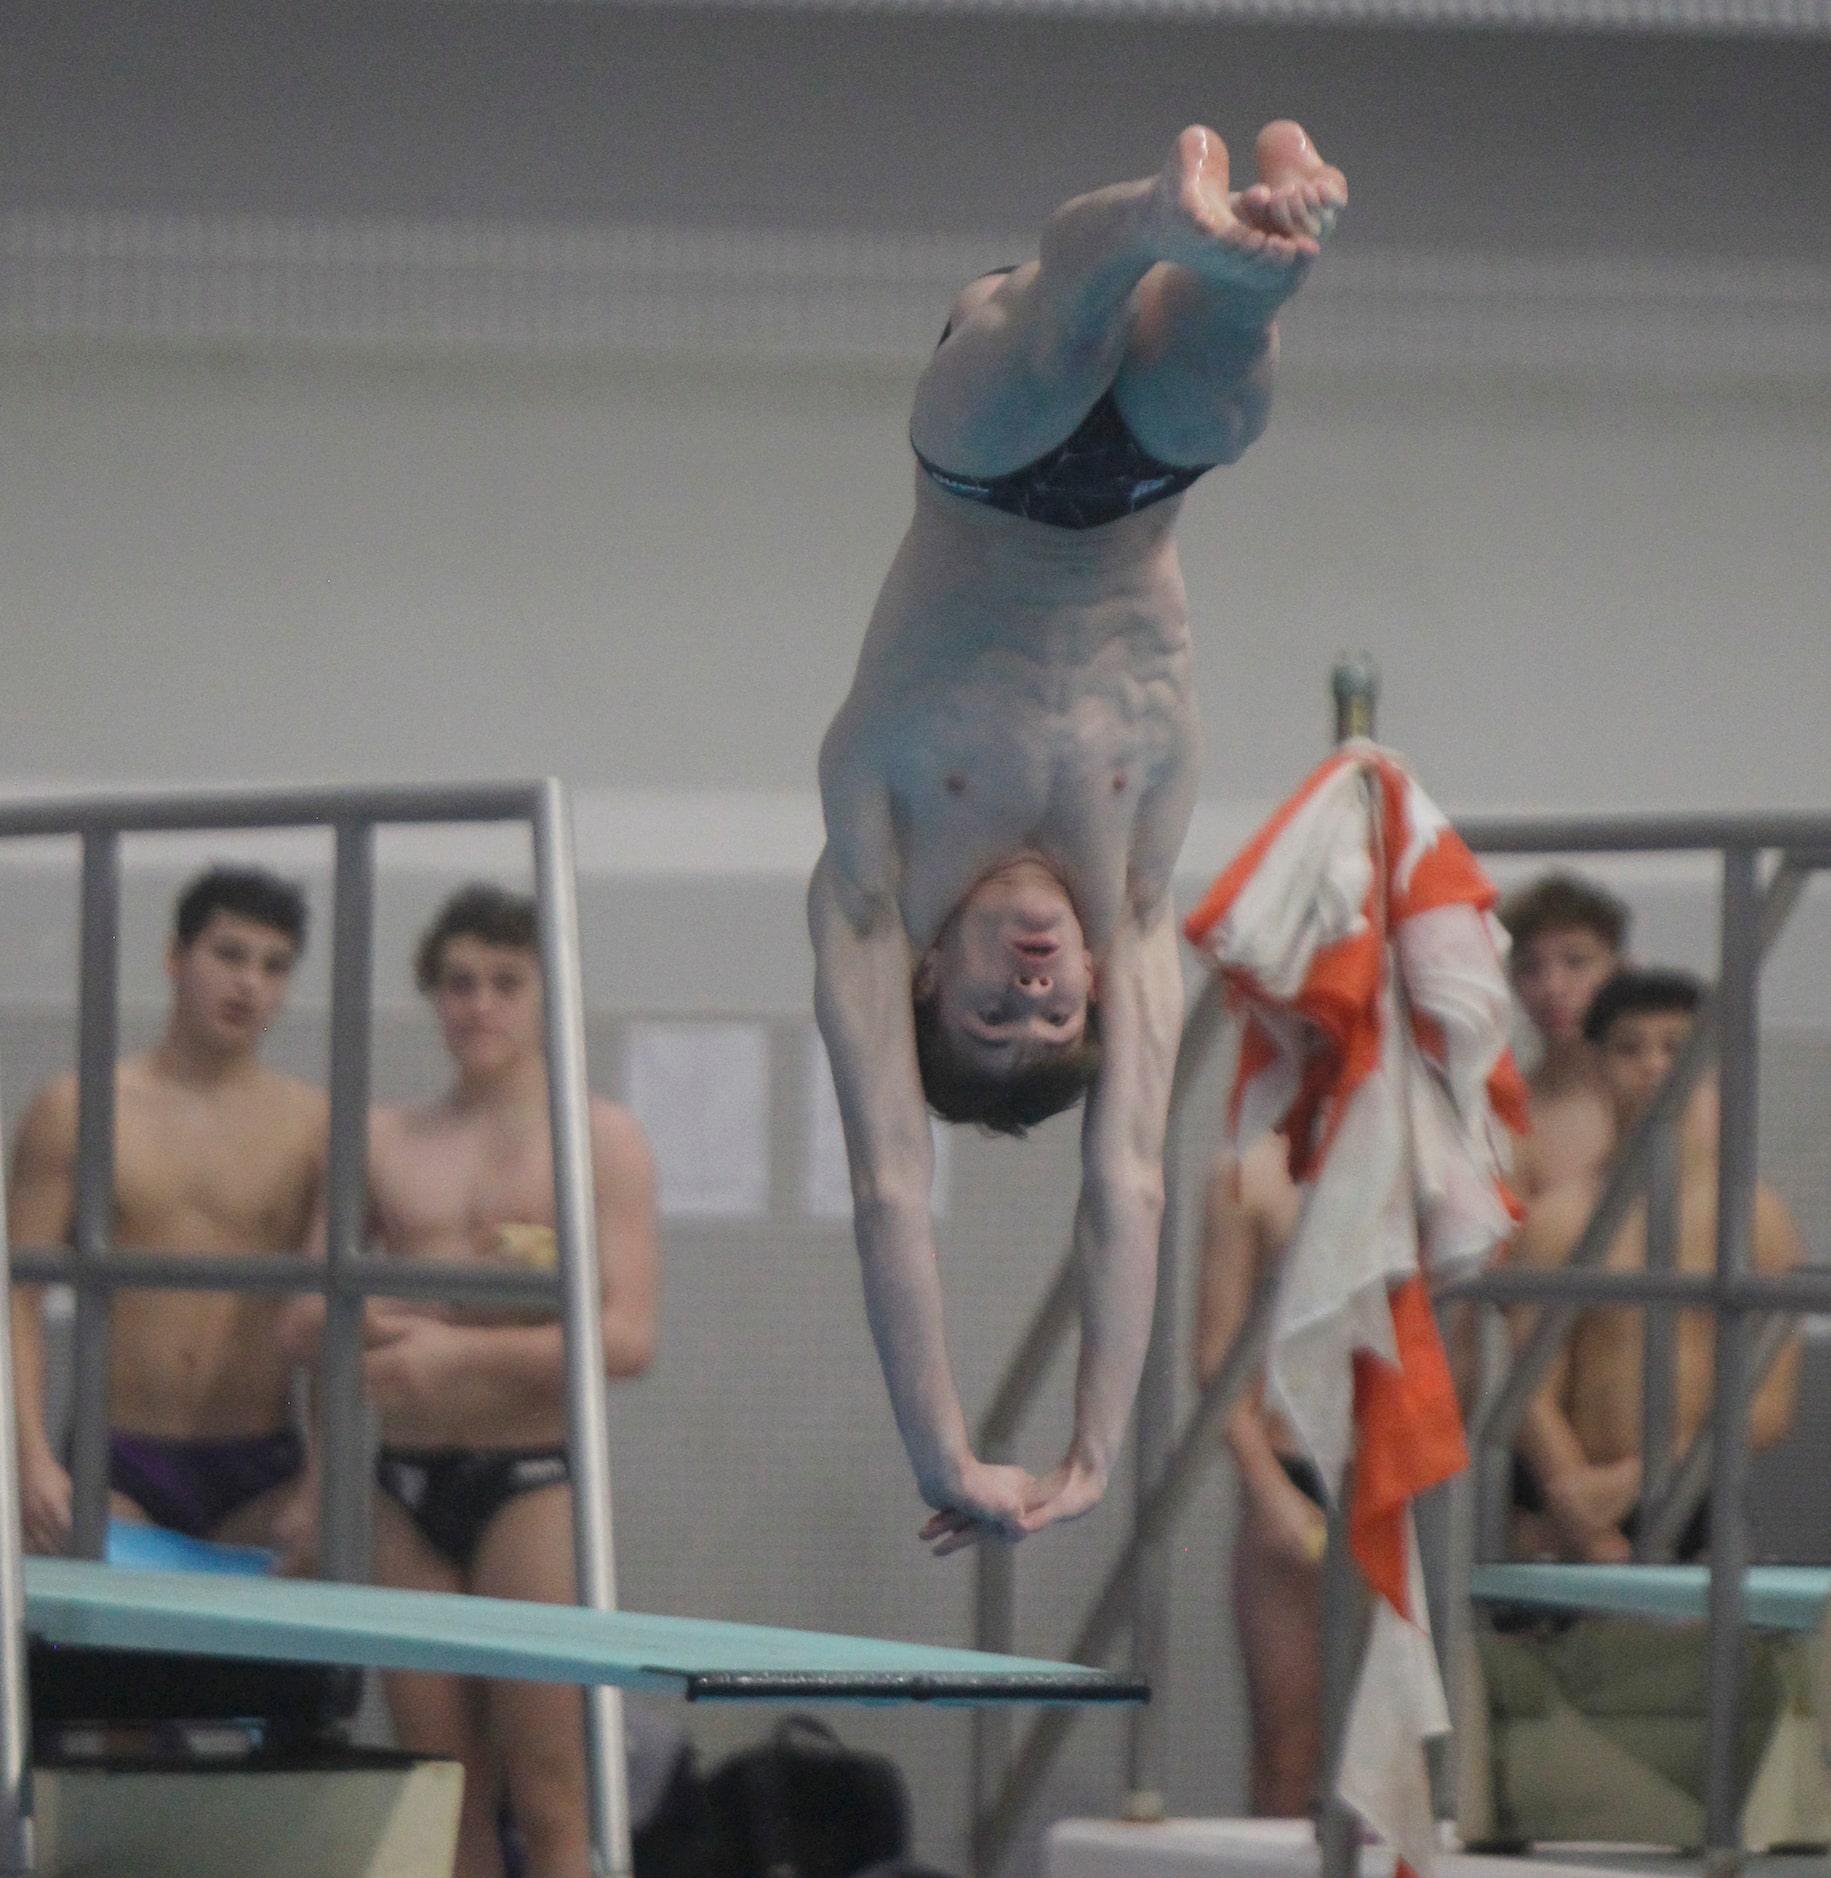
x,y
1752,921
346,1278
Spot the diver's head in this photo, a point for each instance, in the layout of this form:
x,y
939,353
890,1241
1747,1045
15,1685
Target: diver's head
x,y
1007,1032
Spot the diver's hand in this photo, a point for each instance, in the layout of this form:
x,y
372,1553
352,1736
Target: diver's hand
x,y
1065,1492
975,1502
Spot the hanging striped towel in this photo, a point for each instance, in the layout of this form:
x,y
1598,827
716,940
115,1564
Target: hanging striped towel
x,y
1357,943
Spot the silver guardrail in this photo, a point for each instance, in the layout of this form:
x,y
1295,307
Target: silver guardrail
x,y
347,1277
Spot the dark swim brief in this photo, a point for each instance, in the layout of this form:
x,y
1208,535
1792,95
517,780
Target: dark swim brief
x,y
192,1486
1302,1473
452,1494
1097,475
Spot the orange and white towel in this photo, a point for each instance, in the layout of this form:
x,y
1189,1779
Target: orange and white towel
x,y
1356,939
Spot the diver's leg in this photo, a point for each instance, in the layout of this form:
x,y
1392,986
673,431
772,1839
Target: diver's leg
x,y
1195,383
1030,352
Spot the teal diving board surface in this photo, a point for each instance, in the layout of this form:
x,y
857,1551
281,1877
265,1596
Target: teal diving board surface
x,y
1775,1597
72,1601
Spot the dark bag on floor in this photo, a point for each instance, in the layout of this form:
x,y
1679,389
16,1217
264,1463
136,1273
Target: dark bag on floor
x,y
804,1805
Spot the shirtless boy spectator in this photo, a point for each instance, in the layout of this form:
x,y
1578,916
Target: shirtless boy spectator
x,y
1569,936
213,1153
1250,1214
1007,786
1582,1433
472,1469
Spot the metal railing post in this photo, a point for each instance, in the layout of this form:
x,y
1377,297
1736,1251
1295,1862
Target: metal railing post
x,y
994,1624
343,1411
1659,1353
1738,994
1343,1625
1144,1770
98,1046
1197,1449
575,1214
15,1712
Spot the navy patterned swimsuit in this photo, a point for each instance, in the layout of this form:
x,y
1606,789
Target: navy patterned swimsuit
x,y
1100,473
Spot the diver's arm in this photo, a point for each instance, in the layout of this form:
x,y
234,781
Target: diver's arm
x,y
1121,1205
862,1003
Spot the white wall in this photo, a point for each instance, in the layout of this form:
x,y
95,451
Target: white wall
x,y
1584,594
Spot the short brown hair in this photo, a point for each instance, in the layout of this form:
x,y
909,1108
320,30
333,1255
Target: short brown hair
x,y
1046,1078
479,911
1557,902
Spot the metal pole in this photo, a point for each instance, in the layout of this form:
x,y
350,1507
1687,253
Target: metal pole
x,y
575,1215
15,1713
98,1045
1659,1346
342,1410
1355,685
1738,1004
1197,1449
1144,1755
994,1623
1343,1614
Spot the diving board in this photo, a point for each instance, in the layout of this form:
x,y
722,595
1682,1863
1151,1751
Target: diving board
x,y
74,1601
1775,1597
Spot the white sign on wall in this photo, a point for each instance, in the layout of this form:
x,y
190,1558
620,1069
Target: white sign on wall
x,y
828,1189
701,1091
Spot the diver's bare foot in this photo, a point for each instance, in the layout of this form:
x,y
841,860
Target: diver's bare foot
x,y
1197,224
1297,193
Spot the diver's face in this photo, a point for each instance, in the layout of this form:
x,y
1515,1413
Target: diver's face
x,y
1012,971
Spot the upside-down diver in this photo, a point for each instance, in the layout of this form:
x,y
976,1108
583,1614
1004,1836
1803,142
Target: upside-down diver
x,y
1007,786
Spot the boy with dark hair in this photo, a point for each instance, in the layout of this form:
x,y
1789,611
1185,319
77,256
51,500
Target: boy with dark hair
x,y
1009,780
1568,937
1581,1435
474,1484
213,1153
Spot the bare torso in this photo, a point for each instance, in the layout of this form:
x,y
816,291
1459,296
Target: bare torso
x,y
474,1186
1573,1133
228,1169
1602,1390
1603,1387
1022,690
